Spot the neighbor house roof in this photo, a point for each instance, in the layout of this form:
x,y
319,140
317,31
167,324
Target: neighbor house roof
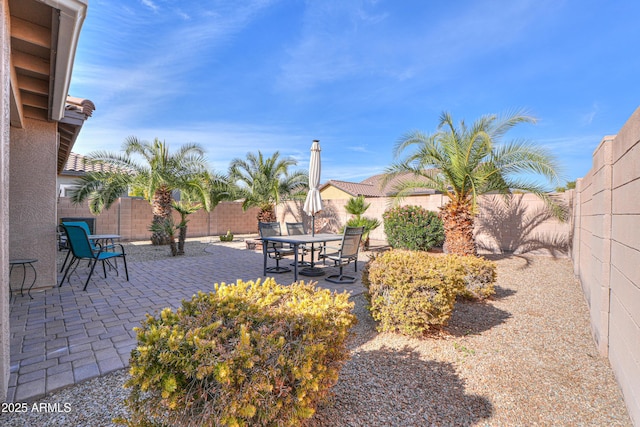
x,y
374,186
78,165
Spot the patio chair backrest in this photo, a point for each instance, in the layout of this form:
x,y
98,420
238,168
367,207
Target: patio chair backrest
x,y
351,241
78,241
269,229
295,228
85,227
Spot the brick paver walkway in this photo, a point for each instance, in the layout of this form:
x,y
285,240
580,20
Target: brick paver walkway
x,y
65,335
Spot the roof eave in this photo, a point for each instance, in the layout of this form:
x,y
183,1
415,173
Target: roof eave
x,y
72,14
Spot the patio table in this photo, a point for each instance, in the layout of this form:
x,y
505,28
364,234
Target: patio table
x,y
296,241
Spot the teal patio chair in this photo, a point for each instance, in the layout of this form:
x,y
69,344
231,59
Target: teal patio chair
x,y
85,226
80,247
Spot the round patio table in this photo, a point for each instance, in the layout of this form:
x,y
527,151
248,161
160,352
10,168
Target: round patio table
x,y
24,263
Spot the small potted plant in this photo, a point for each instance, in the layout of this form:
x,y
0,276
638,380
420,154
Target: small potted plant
x,y
227,237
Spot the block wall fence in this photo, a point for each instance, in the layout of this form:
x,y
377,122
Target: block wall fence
x,y
523,225
130,218
606,254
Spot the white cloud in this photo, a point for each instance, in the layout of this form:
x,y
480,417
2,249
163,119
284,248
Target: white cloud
x,y
150,4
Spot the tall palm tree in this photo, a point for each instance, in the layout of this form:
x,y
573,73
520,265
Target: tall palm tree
x,y
464,162
156,177
265,181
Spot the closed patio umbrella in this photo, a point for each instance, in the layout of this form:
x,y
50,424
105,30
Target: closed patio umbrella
x,y
313,202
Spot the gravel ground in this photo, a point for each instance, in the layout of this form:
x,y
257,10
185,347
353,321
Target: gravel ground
x,y
524,358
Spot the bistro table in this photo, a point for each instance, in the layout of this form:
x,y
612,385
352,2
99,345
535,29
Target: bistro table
x,y
104,238
24,263
295,241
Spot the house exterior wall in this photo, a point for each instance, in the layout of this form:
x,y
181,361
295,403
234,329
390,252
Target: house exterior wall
x,y
606,254
32,197
330,192
5,125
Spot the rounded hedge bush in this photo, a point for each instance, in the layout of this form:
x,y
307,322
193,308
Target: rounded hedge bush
x,y
411,292
413,228
248,354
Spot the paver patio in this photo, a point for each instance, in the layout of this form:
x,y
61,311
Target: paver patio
x,y
65,335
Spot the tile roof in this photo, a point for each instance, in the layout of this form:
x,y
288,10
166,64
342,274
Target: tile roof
x,y
373,186
77,111
78,164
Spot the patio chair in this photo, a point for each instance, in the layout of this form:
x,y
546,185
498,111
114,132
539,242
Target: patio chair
x,y
82,248
347,253
296,229
86,228
275,250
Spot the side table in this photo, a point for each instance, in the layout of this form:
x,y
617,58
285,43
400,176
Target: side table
x,y
24,263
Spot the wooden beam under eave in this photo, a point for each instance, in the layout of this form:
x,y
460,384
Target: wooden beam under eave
x,y
33,85
31,63
17,113
30,32
33,100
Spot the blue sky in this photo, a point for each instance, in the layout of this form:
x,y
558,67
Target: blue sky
x,y
241,76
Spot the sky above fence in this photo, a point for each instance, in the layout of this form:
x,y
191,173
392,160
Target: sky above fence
x,y
269,75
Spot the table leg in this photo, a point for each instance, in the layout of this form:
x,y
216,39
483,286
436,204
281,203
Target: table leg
x,y
296,246
264,255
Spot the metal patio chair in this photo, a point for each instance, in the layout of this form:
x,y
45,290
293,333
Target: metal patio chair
x,y
275,250
347,253
81,248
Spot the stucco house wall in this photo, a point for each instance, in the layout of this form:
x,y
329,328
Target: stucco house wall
x,y
5,125
32,197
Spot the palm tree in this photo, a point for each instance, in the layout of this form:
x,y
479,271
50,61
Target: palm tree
x,y
185,209
264,182
464,162
357,206
155,179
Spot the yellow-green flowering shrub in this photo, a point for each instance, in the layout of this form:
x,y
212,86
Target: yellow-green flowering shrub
x,y
248,354
479,277
411,292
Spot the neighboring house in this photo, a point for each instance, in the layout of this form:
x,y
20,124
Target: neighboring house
x,y
39,126
77,166
371,187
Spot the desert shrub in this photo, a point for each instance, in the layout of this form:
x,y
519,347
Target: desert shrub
x,y
411,291
479,276
248,354
413,228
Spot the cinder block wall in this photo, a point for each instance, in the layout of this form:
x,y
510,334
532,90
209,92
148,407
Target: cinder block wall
x,y
130,218
606,254
524,225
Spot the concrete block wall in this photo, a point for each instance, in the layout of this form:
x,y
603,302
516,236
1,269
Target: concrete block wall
x,y
522,226
606,254
130,218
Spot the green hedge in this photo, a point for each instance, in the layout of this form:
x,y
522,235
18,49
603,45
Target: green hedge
x,y
248,354
413,228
